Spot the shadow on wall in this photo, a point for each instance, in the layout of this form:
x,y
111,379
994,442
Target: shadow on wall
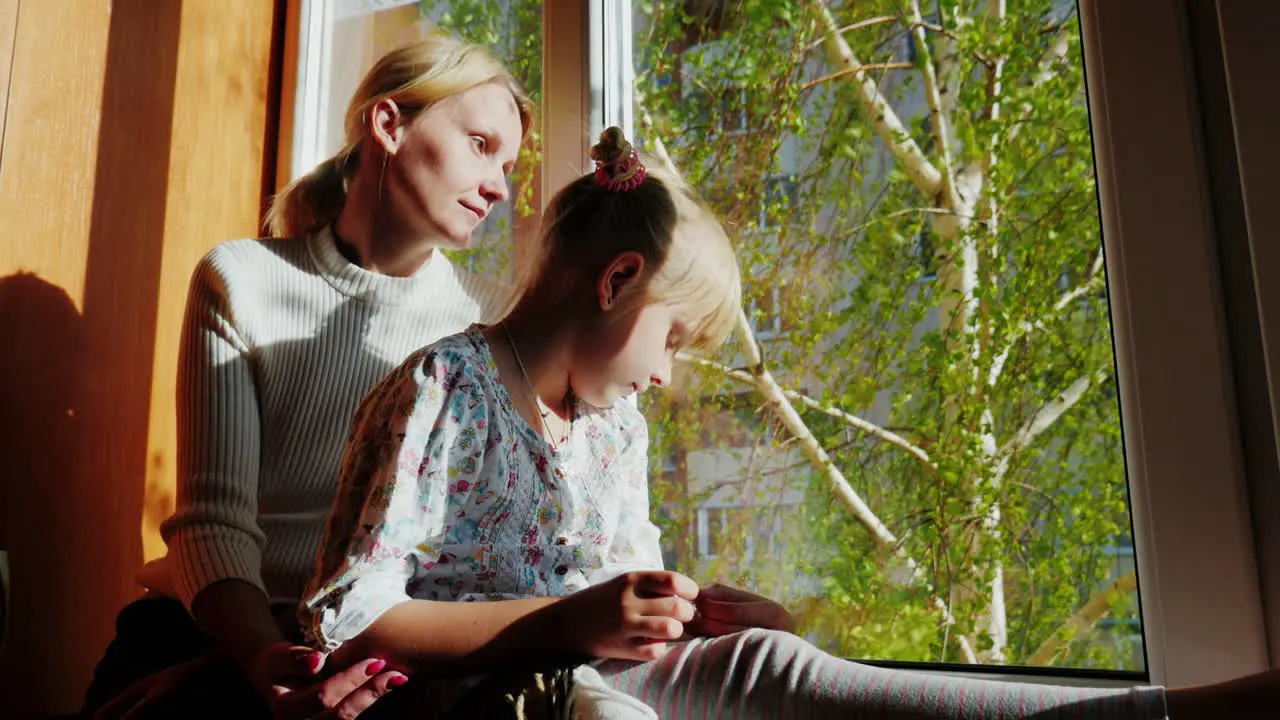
x,y
75,387
43,376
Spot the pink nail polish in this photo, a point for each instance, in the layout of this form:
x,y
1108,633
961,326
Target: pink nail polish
x,y
375,667
397,681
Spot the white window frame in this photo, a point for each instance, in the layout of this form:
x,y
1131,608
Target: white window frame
x,y
1199,588
1201,606
1248,57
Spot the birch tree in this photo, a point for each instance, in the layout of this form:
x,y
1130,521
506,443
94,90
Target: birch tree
x,y
913,438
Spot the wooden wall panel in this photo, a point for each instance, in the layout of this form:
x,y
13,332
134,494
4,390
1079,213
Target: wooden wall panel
x,y
214,192
82,194
51,141
136,138
8,30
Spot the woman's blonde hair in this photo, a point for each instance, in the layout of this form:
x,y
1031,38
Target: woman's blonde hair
x,y
689,260
415,77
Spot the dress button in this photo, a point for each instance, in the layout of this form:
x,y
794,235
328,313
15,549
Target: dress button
x,y
562,569
562,540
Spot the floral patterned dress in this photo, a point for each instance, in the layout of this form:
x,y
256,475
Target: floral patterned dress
x,y
446,493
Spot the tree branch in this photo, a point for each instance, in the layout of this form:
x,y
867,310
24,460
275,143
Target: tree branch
x,y
1092,284
1045,70
1049,413
995,11
884,539
856,26
941,120
849,419
923,174
853,70
1082,620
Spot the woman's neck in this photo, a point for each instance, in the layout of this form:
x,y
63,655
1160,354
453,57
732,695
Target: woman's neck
x,y
373,238
543,346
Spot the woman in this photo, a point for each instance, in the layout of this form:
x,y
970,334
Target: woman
x,y
281,339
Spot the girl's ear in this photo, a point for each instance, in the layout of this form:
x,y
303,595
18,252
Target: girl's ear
x,y
618,278
386,125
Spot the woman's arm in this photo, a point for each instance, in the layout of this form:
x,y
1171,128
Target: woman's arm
x,y
213,536
214,540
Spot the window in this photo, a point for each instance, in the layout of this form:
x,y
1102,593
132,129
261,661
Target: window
x,y
926,255
1015,451
752,532
1201,591
781,194
765,312
719,101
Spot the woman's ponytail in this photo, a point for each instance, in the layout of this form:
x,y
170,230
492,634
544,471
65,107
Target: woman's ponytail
x,y
310,202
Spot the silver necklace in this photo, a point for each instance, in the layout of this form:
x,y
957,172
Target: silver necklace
x,y
537,401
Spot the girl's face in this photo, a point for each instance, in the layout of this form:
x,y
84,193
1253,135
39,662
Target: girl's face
x,y
628,355
450,166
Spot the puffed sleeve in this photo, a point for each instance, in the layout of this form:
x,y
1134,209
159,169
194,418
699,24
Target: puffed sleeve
x,y
389,517
636,544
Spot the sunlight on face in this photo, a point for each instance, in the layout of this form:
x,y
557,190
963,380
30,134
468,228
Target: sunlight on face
x,y
452,166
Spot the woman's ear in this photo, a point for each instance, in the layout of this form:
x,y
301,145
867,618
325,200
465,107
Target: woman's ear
x,y
386,125
619,277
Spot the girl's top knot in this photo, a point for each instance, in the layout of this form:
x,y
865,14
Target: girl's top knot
x,y
618,166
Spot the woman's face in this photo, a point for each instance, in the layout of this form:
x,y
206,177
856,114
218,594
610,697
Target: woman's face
x,y
450,167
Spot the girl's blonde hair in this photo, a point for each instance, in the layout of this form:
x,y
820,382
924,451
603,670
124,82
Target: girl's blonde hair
x,y
415,77
689,259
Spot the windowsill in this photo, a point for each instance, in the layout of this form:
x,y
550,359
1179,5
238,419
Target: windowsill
x,y
1021,674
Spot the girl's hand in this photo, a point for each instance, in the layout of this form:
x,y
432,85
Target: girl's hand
x,y
723,610
631,617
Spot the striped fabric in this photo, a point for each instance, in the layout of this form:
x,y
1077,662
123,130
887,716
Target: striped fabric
x,y
775,675
282,339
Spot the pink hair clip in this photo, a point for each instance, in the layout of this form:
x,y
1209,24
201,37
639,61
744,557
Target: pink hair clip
x,y
618,167
626,174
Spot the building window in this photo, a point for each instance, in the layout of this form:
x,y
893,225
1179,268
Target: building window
x,y
781,194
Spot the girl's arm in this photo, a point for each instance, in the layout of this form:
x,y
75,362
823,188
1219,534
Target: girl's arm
x,y
466,638
630,617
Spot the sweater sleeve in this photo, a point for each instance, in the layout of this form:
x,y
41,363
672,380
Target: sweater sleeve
x,y
213,533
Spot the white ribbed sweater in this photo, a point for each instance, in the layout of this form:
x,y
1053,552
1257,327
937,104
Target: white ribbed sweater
x,y
282,338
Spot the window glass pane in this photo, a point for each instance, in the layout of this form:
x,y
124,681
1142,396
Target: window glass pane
x,y
914,201
512,29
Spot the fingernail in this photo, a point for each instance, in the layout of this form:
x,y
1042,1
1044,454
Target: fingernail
x,y
397,681
315,661
375,667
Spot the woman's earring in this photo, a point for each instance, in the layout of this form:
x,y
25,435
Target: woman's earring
x,y
382,174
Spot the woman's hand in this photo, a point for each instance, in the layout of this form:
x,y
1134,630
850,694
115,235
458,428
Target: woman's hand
x,y
290,678
723,610
631,617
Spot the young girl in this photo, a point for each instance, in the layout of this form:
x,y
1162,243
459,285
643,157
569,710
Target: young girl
x,y
503,465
